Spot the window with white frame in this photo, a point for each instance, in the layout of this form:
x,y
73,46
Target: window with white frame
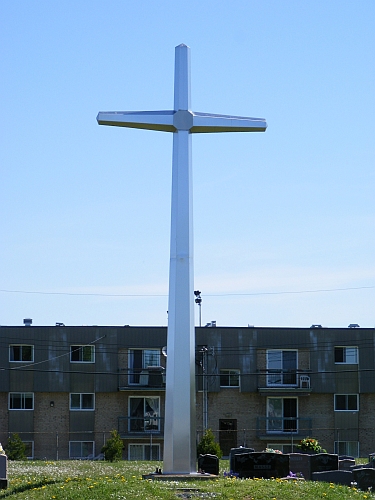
x,y
281,367
350,448
346,355
21,401
82,401
143,452
81,449
346,402
229,378
21,353
144,414
139,361
82,354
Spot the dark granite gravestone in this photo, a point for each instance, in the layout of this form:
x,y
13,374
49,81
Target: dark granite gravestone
x,y
237,451
261,465
362,466
323,461
3,472
346,464
365,478
334,476
300,463
209,464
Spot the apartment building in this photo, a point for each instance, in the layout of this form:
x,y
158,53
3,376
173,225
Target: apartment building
x,y
63,389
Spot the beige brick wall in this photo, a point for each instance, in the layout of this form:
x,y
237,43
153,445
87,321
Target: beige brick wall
x,y
4,421
367,424
51,425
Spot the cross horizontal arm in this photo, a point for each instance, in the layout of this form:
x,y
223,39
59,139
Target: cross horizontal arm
x,y
207,123
150,120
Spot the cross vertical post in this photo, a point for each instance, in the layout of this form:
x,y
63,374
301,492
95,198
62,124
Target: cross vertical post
x,y
180,413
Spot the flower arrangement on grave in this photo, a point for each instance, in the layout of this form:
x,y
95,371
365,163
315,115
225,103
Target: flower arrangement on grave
x,y
2,452
310,445
271,450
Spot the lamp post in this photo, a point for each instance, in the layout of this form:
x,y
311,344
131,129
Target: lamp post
x,y
198,300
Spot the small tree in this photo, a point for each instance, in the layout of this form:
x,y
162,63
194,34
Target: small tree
x,y
208,445
16,448
113,448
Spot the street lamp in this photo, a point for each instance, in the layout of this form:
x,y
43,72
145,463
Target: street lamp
x,y
198,300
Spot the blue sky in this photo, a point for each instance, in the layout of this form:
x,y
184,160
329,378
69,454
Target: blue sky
x,y
283,221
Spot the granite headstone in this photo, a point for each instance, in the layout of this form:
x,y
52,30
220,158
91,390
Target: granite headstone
x,y
261,465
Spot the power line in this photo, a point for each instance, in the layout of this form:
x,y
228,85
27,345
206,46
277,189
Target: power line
x,y
233,294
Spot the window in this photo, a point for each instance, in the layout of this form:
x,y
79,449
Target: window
x,y
350,448
21,353
346,402
21,401
82,353
282,415
229,378
144,452
81,449
346,355
281,367
144,414
139,361
82,401
29,449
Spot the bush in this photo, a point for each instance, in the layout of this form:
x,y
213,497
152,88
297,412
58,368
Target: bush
x,y
208,445
310,445
16,448
113,448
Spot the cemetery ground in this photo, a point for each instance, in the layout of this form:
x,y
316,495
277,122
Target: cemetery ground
x,y
83,480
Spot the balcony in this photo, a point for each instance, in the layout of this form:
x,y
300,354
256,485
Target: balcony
x,y
283,427
141,427
284,382
151,378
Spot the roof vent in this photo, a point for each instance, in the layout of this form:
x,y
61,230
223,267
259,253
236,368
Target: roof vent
x,y
27,321
353,325
316,326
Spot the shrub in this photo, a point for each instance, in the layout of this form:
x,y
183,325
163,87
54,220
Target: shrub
x,y
16,448
310,445
113,448
208,445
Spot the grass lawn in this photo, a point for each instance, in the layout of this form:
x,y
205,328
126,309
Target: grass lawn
x,y
81,480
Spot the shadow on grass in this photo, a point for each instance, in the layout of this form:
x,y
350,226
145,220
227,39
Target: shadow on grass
x,y
24,487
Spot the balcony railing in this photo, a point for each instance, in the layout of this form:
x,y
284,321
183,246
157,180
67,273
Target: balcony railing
x,y
284,378
152,377
283,426
141,426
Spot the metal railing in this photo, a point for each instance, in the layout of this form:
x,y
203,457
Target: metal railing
x,y
283,378
152,377
283,426
141,426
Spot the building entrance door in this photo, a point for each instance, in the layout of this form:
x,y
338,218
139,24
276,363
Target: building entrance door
x,y
227,435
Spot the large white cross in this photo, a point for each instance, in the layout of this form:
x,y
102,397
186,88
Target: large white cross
x,y
180,419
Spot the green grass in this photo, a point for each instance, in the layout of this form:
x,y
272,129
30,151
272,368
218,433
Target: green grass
x,y
83,480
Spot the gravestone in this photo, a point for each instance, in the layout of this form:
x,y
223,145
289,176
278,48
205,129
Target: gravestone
x,y
209,464
323,461
3,472
365,478
343,477
362,466
237,451
300,463
346,464
261,465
